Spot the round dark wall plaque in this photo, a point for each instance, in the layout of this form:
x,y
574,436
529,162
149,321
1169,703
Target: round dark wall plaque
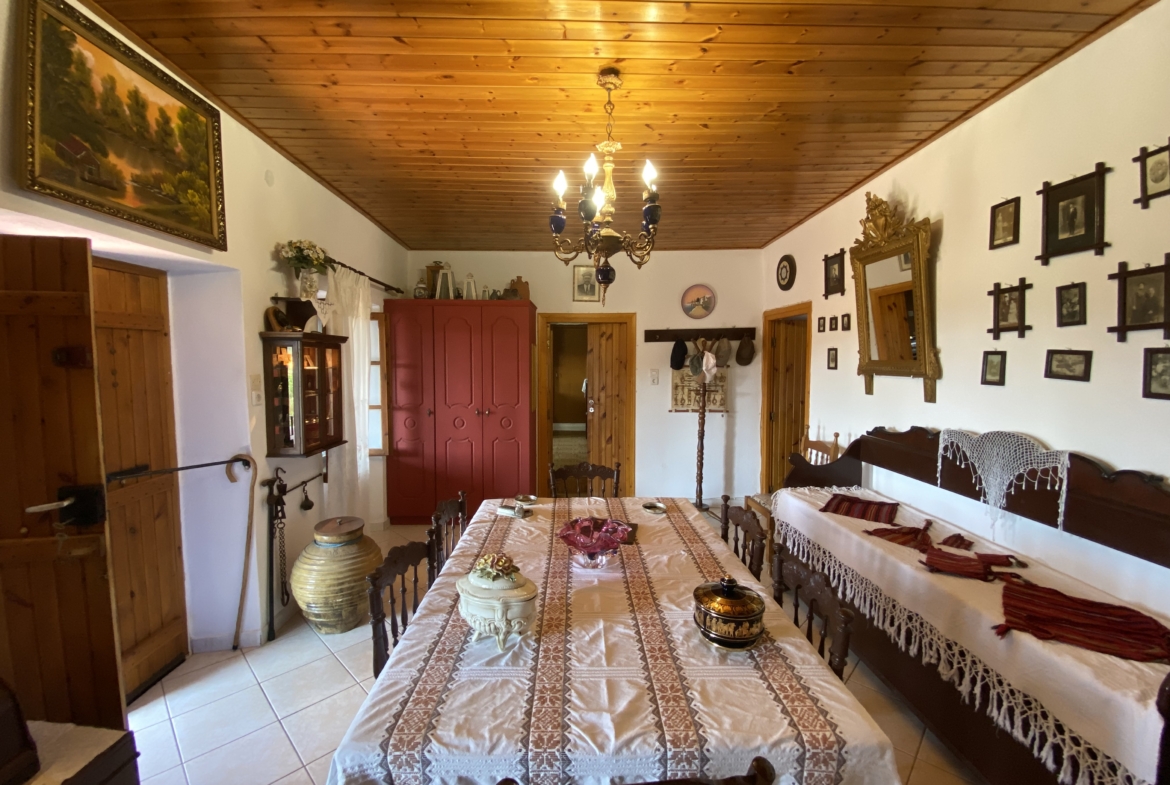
x,y
786,272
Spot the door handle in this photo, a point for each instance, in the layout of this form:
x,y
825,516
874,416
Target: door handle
x,y
477,413
51,506
430,413
486,412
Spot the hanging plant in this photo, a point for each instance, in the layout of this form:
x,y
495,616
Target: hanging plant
x,y
306,255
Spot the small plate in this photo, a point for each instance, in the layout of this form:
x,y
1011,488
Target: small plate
x,y
525,499
514,512
657,508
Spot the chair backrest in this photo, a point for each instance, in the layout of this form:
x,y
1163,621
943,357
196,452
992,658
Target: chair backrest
x,y
584,479
819,453
748,538
400,565
767,521
760,772
447,526
812,586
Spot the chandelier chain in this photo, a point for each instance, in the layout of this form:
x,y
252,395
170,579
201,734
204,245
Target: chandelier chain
x,y
609,114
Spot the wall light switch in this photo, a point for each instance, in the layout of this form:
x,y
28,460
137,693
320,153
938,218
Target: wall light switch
x,y
654,376
255,389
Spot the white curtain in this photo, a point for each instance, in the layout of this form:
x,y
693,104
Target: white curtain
x,y
348,489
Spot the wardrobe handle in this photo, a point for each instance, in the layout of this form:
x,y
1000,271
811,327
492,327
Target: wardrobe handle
x,y
430,412
486,412
477,412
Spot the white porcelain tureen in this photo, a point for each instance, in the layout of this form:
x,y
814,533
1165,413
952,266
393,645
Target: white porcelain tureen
x,y
495,599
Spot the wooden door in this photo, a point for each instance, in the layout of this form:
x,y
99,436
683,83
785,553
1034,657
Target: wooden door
x,y
58,643
132,336
892,308
788,404
459,402
410,461
609,408
507,399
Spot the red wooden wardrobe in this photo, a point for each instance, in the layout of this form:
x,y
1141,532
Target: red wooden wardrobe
x,y
462,414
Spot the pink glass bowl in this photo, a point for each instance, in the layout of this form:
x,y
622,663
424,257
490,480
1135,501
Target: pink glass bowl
x,y
593,540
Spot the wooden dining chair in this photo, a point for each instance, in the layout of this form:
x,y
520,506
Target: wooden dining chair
x,y
767,521
401,563
819,453
812,586
586,477
447,526
748,538
760,772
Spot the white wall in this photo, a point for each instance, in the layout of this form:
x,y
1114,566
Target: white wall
x,y
1096,106
224,294
665,442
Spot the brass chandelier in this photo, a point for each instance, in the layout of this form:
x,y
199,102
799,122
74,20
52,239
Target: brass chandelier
x,y
596,208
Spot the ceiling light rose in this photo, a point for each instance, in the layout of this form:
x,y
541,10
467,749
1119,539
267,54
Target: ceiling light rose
x,y
599,240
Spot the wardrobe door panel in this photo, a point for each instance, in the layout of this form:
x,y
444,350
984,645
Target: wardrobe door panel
x,y
410,464
458,403
507,417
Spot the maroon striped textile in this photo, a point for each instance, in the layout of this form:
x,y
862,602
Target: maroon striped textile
x,y
1051,615
866,510
938,560
957,540
1000,560
910,536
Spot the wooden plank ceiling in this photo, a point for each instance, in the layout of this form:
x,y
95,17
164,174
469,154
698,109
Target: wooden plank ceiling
x,y
446,120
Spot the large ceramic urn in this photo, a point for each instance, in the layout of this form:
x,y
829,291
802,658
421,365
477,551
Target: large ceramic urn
x,y
329,577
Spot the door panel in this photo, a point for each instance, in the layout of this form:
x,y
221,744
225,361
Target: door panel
x,y
58,643
507,401
608,367
789,386
458,404
410,465
131,321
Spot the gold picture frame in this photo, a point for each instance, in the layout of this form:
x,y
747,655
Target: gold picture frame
x,y
106,129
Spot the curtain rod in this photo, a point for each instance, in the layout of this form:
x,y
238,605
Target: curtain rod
x,y
383,284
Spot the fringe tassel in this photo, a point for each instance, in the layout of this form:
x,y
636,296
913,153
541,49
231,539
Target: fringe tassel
x,y
1015,712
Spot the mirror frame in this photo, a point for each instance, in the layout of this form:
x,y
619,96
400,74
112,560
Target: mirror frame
x,y
885,234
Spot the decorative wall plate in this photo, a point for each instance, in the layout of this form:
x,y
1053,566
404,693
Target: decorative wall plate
x,y
786,272
698,301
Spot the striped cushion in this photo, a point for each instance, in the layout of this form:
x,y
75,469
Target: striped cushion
x,y
866,510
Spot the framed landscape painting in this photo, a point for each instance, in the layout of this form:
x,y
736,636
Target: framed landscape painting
x,y
108,130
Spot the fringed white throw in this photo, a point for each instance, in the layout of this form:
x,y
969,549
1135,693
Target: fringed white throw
x,y
1001,461
1089,716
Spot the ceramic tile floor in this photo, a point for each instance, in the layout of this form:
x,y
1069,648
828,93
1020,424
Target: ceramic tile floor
x,y
275,714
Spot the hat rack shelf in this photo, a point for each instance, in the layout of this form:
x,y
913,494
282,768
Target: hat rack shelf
x,y
710,333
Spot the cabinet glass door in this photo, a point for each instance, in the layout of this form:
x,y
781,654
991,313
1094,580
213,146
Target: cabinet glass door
x,y
331,405
283,401
310,379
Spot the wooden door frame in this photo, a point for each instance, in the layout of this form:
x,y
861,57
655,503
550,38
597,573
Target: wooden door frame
x,y
543,382
772,316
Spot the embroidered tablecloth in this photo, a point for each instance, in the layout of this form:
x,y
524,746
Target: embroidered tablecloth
x,y
614,683
1040,690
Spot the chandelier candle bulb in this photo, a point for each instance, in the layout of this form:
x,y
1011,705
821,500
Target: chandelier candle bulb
x,y
591,168
648,175
598,197
559,185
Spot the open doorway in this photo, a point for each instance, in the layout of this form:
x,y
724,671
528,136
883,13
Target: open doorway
x,y
585,396
787,357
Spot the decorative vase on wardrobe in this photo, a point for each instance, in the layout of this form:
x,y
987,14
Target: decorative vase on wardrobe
x,y
310,284
329,577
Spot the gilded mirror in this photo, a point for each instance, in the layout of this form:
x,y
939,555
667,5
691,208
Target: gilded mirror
x,y
895,299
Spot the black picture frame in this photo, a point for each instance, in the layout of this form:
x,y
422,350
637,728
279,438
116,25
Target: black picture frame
x,y
1141,299
820,324
786,272
1156,373
1072,218
1009,212
994,368
1003,298
832,324
1072,305
1071,365
831,360
835,274
1153,169
846,322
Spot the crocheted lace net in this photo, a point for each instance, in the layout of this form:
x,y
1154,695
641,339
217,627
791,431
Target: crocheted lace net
x,y
1001,461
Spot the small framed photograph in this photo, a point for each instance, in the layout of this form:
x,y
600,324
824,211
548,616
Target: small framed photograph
x,y
1070,305
835,273
585,288
1009,313
1154,170
1073,217
832,324
820,324
1141,299
1156,374
1005,223
846,322
1068,364
833,359
994,368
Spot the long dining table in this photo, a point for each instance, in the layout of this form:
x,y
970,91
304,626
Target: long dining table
x,y
613,682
